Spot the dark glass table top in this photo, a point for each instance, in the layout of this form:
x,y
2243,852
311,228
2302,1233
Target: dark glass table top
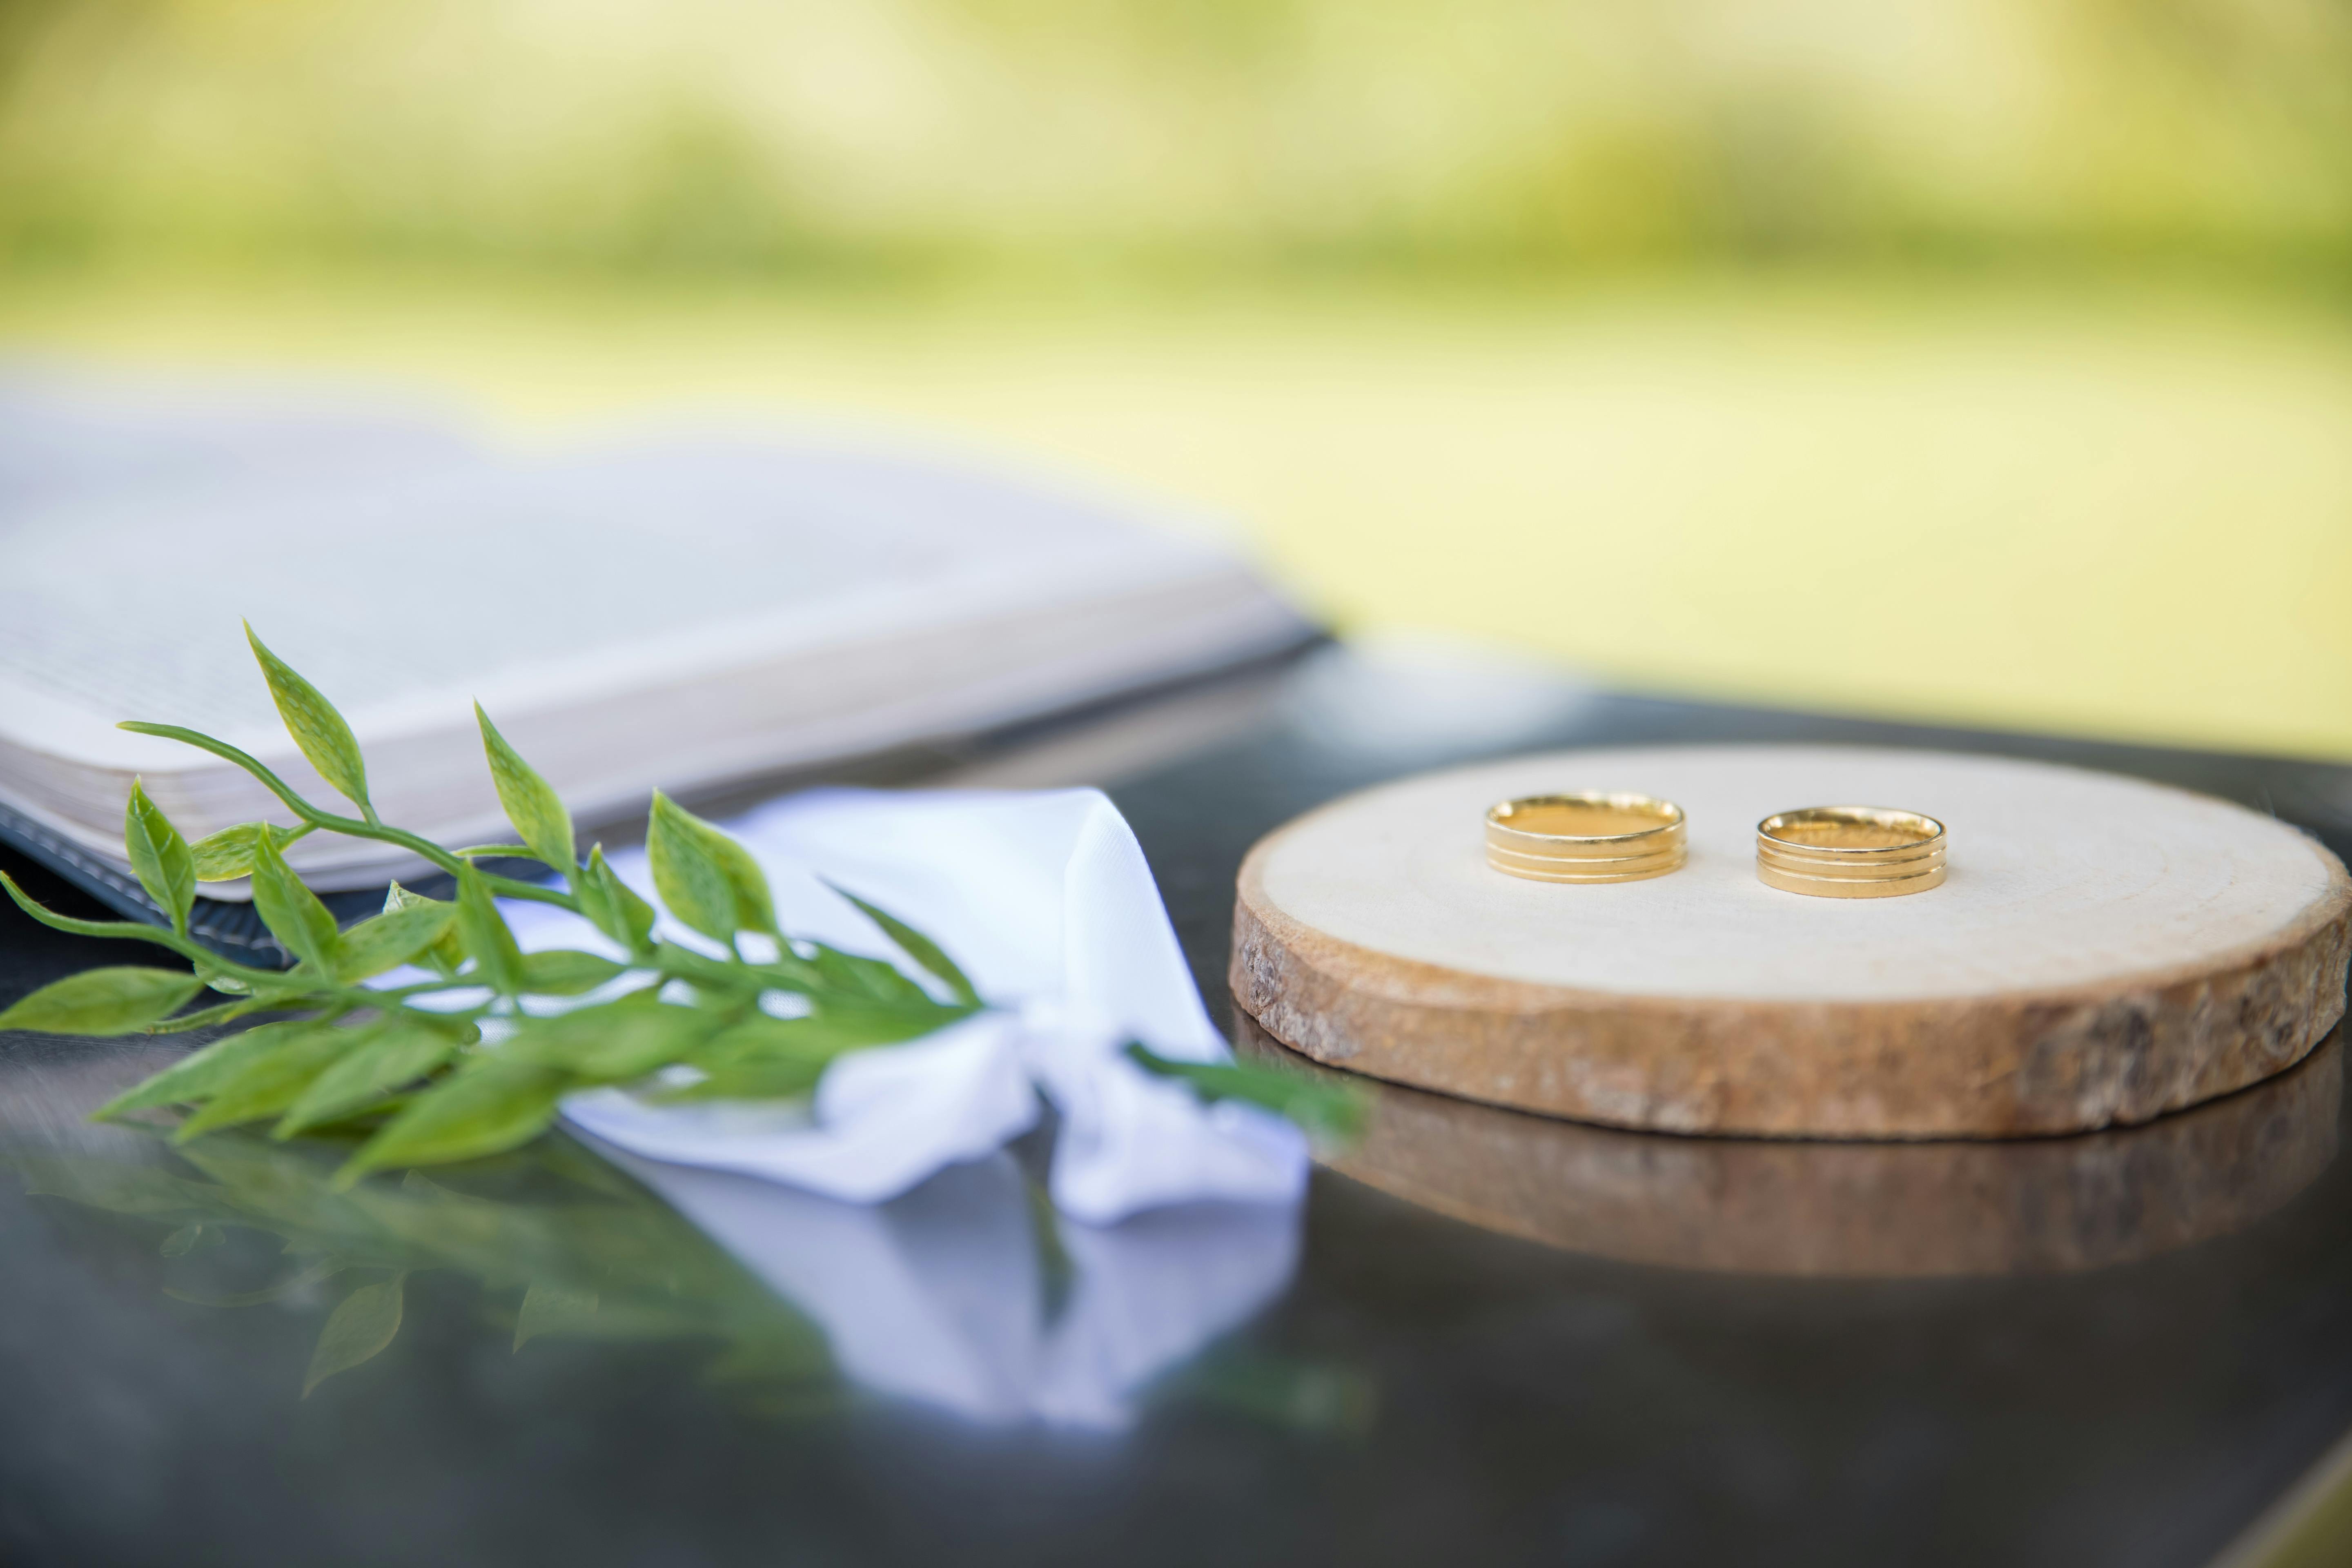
x,y
1487,1338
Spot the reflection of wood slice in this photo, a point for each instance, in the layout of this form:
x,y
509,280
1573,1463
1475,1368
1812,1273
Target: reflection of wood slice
x,y
2103,951
1886,1210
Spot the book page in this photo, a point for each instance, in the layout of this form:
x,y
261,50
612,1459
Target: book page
x,y
388,591
68,436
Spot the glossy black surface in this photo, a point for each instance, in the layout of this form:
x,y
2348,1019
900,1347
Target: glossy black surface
x,y
1421,1390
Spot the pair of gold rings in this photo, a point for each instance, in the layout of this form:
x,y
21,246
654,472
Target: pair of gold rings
x,y
1825,851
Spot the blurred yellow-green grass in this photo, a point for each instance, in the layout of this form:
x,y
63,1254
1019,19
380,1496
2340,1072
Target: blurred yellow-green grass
x,y
2114,512
757,133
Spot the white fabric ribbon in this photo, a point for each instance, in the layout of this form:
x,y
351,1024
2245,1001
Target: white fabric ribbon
x,y
1046,902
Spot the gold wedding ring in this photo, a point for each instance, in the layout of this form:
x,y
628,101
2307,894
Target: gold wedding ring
x,y
1585,838
1850,852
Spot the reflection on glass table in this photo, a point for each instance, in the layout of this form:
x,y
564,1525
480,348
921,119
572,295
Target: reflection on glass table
x,y
969,1294
1882,1210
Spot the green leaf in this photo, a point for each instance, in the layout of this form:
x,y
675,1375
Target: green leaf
x,y
1325,1110
160,857
293,989
397,936
271,1083
618,1042
321,734
871,978
405,1049
292,1284
611,905
719,977
705,877
536,811
769,1077
917,946
880,1023
565,971
498,961
550,1307
196,1075
781,1058
483,1109
448,952
291,912
358,1329
115,1001
225,856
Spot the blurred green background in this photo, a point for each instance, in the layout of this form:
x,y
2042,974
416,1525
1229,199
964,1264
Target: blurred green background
x,y
1987,360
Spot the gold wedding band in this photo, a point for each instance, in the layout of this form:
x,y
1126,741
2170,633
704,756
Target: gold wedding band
x,y
1585,838
1850,852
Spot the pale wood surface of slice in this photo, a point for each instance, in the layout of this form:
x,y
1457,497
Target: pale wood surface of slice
x,y
2106,950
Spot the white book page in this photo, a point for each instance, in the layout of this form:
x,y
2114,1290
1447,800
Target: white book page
x,y
399,596
68,435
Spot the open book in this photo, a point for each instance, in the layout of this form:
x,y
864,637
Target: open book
x,y
685,615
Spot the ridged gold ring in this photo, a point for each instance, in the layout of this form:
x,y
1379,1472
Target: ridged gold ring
x,y
1585,838
1850,852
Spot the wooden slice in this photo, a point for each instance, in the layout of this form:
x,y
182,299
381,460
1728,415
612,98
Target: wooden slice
x,y
2104,949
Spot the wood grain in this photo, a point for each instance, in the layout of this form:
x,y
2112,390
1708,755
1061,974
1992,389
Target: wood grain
x,y
2107,951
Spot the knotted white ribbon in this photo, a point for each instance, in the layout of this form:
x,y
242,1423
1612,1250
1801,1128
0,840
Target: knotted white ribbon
x,y
1044,900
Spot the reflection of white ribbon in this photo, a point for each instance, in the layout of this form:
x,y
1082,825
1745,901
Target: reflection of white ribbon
x,y
1046,900
941,1295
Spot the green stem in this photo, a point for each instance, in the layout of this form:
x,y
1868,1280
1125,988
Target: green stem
x,y
222,749
210,965
207,961
350,826
428,987
507,888
226,1012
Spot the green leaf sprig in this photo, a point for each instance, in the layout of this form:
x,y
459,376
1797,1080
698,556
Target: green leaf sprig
x,y
411,1071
